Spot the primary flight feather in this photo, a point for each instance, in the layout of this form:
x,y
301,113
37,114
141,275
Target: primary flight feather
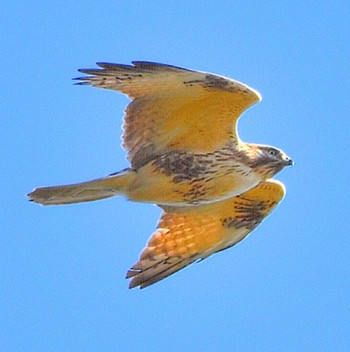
x,y
180,133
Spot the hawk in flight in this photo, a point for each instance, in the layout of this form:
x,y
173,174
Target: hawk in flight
x,y
180,133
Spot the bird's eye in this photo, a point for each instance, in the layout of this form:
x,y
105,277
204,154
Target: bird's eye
x,y
272,152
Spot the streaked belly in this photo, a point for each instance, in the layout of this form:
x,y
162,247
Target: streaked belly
x,y
211,184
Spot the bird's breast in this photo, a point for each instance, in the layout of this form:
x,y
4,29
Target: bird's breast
x,y
190,178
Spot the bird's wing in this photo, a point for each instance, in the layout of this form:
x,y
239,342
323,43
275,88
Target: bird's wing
x,y
186,234
173,108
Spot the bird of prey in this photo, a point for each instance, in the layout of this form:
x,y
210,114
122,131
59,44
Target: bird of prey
x,y
180,133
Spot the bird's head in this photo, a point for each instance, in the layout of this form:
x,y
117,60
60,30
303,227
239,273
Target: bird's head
x,y
270,160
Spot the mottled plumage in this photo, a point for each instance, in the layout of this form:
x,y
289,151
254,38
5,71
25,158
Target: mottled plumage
x,y
180,133
187,234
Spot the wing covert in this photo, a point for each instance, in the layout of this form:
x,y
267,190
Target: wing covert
x,y
186,234
173,108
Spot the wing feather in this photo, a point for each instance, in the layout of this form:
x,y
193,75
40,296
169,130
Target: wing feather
x,y
173,108
187,234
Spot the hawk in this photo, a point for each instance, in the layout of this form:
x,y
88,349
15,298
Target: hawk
x,y
180,133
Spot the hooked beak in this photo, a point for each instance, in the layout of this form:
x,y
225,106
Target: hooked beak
x,y
289,162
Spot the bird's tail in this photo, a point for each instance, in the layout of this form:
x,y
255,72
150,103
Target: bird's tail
x,y
105,187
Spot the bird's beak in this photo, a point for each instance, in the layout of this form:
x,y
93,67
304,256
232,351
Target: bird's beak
x,y
290,162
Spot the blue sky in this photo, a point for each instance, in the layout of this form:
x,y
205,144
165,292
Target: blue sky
x,y
285,288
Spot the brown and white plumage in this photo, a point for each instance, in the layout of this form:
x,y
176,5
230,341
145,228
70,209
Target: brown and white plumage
x,y
187,234
181,137
180,133
174,108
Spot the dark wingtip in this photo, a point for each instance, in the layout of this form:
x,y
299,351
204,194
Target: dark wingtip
x,y
82,81
151,65
132,284
111,66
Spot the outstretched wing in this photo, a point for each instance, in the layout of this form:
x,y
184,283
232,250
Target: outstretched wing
x,y
173,108
186,234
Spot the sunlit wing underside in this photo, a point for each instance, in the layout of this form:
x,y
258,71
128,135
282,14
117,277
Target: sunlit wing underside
x,y
186,234
174,108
